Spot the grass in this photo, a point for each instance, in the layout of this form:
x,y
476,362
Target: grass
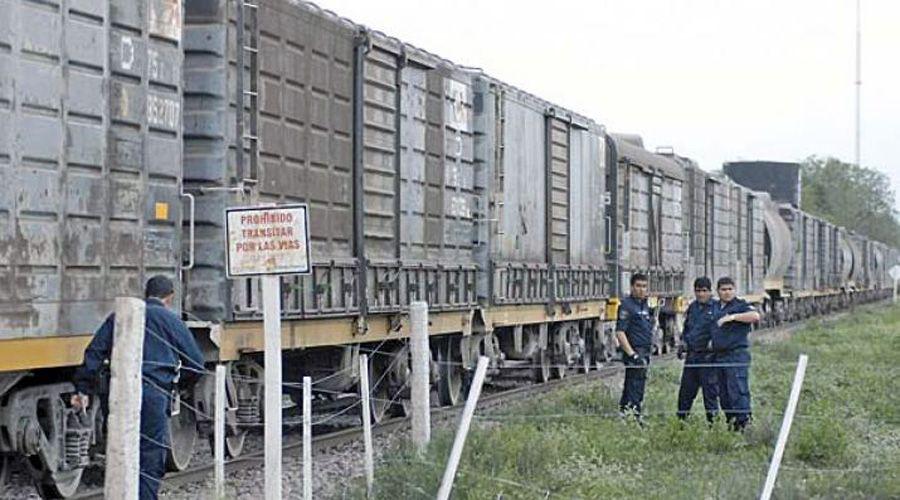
x,y
845,441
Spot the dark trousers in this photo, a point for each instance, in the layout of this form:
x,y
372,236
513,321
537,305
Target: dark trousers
x,y
734,386
695,378
154,440
635,381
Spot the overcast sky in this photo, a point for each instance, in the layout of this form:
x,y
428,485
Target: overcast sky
x,y
717,80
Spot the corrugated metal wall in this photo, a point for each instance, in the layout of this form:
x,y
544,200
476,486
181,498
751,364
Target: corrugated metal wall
x,y
90,155
720,229
673,236
305,115
636,210
523,181
587,185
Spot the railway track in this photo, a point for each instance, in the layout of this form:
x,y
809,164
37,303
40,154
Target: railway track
x,y
335,439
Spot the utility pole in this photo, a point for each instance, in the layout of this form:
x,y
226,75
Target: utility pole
x,y
858,77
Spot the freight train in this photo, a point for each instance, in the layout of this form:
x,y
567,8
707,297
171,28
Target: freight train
x,y
127,128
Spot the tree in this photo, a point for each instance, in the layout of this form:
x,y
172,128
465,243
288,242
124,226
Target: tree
x,y
858,198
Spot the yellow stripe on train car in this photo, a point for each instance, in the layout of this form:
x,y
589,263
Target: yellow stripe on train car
x,y
42,352
612,309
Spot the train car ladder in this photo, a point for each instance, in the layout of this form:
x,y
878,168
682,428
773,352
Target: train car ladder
x,y
247,93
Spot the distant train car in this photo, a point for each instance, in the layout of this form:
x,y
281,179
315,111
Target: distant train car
x,y
812,265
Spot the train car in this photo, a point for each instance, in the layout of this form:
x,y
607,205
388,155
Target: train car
x,y
90,202
376,137
541,174
650,236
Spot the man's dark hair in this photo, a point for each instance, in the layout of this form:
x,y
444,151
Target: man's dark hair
x,y
638,277
159,287
724,280
702,283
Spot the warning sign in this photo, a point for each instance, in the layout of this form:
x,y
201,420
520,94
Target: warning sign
x,y
268,240
895,272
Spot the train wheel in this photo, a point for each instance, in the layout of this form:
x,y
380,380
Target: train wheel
x,y
182,439
541,362
53,485
586,360
382,399
452,374
234,444
244,392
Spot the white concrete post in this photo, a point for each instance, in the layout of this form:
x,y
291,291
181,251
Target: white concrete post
x,y
271,287
219,434
421,365
125,392
460,440
769,487
364,392
307,439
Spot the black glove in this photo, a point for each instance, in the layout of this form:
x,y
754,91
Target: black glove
x,y
636,360
680,352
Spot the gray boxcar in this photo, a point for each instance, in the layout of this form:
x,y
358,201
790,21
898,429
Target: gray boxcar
x,y
540,173
376,136
90,158
650,231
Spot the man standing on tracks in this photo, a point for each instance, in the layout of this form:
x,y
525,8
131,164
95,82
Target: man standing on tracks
x,y
634,331
171,356
731,347
698,372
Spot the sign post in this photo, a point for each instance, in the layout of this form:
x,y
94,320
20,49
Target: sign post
x,y
895,274
269,241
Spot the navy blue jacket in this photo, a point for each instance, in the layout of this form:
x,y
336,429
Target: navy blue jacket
x,y
734,334
166,341
698,321
635,319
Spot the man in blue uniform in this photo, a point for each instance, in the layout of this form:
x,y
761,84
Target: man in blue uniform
x,y
698,372
634,331
170,355
731,345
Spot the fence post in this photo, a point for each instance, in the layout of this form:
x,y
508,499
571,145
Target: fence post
x,y
219,433
271,287
769,487
307,439
367,423
421,365
125,393
464,423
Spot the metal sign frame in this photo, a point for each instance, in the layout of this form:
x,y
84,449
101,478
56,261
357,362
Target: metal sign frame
x,y
293,206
